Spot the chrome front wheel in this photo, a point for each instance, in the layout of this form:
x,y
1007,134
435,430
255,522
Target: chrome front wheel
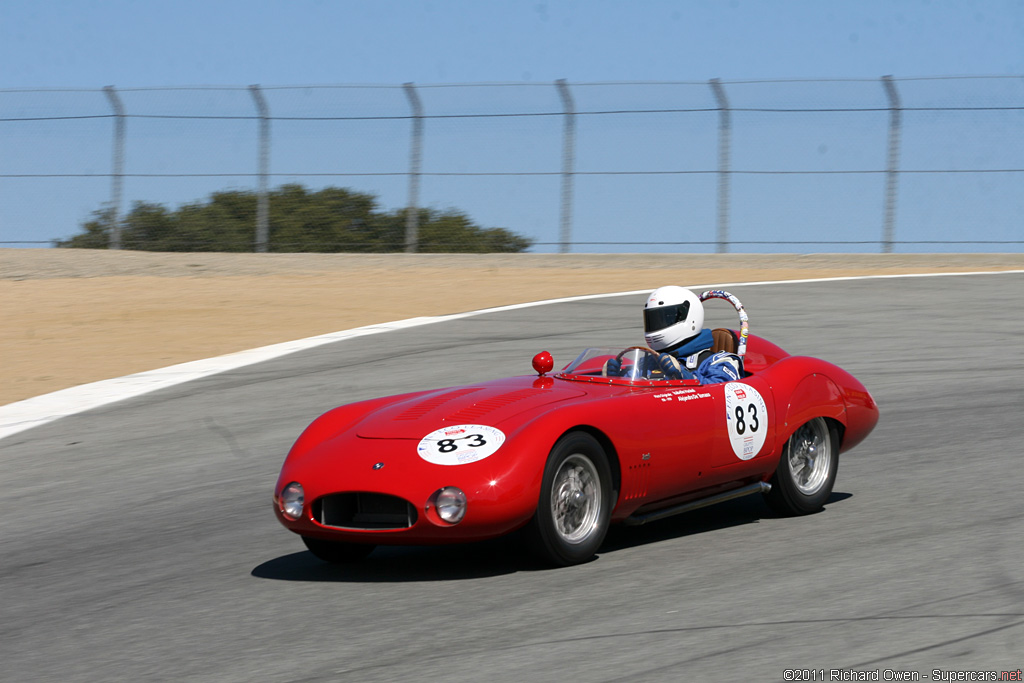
x,y
575,504
576,499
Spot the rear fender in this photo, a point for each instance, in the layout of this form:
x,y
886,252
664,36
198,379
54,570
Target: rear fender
x,y
816,388
803,390
814,396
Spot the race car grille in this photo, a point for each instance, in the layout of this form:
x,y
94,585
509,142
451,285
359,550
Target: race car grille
x,y
364,511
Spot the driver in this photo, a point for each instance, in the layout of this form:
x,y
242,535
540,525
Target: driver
x,y
674,326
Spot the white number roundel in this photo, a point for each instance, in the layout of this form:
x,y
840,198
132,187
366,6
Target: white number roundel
x,y
746,416
460,444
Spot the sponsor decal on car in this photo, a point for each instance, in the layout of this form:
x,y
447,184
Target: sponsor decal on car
x,y
460,444
681,395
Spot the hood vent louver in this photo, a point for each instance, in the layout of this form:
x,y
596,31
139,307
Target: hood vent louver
x,y
489,405
423,407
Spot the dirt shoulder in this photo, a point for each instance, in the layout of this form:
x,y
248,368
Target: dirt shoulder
x,y
71,316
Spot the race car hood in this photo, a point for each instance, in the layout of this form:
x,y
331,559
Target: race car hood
x,y
489,405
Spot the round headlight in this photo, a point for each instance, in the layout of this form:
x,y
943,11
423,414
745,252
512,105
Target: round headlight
x,y
451,504
292,500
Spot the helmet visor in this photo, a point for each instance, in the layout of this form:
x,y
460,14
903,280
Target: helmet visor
x,y
656,319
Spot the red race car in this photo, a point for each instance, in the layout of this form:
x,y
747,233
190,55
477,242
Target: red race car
x,y
567,455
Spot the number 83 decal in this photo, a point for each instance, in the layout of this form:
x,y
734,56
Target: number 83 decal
x,y
741,424
449,445
746,417
460,444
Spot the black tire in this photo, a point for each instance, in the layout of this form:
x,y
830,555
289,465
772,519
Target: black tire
x,y
337,552
575,503
807,469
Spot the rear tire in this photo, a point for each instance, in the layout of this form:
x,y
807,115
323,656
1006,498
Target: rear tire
x,y
337,552
575,506
807,469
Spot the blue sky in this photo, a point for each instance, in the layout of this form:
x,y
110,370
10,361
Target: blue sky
x,y
90,44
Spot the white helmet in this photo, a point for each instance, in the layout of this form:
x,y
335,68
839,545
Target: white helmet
x,y
671,316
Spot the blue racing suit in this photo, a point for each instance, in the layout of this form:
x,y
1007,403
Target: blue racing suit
x,y
691,360
697,361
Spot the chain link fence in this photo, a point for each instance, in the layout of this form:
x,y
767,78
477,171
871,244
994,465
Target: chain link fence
x,y
887,164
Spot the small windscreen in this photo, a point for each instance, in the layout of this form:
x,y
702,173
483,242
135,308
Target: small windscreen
x,y
656,319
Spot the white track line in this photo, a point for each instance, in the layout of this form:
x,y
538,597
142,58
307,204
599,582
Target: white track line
x,y
39,410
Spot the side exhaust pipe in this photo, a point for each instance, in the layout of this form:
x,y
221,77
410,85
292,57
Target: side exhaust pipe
x,y
759,487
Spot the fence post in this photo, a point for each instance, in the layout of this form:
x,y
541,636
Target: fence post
x,y
568,162
412,213
892,167
724,143
262,198
117,176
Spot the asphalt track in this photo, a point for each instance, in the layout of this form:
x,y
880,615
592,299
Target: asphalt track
x,y
138,541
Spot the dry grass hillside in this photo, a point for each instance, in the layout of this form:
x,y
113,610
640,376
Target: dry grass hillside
x,y
72,316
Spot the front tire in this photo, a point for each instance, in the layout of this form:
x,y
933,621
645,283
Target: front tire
x,y
575,504
807,469
337,552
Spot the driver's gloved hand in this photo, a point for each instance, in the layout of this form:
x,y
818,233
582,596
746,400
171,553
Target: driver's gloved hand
x,y
613,367
670,366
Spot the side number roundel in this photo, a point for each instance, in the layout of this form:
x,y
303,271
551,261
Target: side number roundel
x,y
460,444
746,416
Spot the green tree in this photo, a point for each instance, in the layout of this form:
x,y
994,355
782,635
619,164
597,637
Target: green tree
x,y
452,231
328,220
332,219
96,233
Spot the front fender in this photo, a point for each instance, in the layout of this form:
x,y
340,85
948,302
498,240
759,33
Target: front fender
x,y
620,425
337,420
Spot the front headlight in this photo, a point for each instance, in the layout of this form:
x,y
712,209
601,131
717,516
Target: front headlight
x,y
292,500
451,504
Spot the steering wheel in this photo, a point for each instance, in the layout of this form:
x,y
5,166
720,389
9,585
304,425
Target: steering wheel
x,y
623,352
646,349
741,348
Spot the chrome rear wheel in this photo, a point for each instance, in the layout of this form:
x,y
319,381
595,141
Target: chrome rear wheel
x,y
810,456
807,469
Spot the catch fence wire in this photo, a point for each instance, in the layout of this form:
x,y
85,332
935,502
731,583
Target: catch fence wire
x,y
886,164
